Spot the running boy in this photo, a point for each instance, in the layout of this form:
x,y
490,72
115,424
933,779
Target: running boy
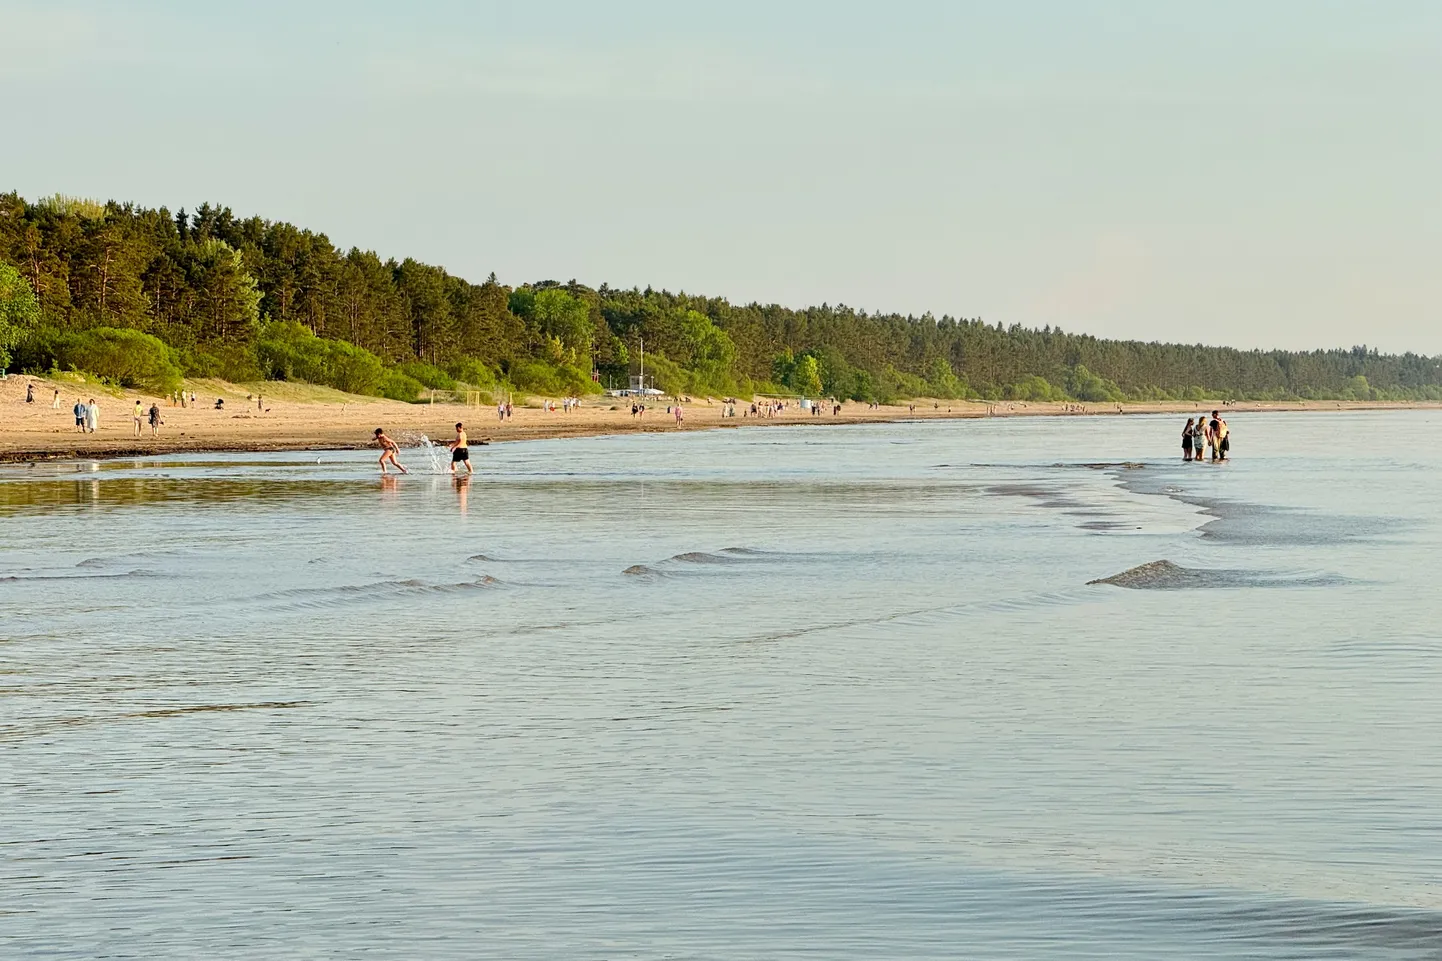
x,y
389,450
460,450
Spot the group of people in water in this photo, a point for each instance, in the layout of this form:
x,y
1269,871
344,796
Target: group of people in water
x,y
460,449
1202,433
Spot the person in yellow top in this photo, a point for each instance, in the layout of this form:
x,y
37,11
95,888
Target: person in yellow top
x,y
460,451
139,416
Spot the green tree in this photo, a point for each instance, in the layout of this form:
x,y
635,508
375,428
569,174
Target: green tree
x,y
19,310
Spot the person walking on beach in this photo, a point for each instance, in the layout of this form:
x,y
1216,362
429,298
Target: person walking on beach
x,y
79,411
92,416
389,452
460,450
678,414
55,403
139,416
154,420
1188,435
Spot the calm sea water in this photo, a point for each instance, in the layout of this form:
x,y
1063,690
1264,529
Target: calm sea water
x,y
800,692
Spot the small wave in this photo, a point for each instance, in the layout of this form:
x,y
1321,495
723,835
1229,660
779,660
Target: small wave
x,y
643,570
700,557
119,575
90,562
335,596
1163,575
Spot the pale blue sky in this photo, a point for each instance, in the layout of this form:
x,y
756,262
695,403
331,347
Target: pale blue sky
x,y
1257,173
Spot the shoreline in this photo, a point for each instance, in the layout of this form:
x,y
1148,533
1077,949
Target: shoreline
x,y
302,418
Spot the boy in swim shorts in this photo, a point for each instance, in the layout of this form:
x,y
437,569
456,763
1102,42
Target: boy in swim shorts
x,y
389,450
460,451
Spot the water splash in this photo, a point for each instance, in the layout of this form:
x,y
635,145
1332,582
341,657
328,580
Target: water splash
x,y
436,454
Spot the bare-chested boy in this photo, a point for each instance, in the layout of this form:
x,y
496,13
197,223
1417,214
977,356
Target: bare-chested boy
x,y
460,450
389,450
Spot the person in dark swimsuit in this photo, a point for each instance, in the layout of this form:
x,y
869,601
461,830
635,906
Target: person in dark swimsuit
x,y
1188,434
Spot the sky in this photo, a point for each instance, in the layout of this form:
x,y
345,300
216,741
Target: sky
x,y
1259,174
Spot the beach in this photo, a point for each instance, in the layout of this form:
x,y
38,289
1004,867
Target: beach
x,y
285,416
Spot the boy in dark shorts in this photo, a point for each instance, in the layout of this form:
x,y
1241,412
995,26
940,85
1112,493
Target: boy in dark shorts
x,y
460,451
389,450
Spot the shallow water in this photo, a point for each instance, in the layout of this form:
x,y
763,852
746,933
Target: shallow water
x,y
782,693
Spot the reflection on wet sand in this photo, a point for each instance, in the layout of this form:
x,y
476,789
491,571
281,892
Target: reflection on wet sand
x,y
89,492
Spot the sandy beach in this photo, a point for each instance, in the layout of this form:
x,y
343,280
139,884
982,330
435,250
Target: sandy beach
x,y
302,417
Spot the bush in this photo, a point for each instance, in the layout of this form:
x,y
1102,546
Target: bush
x,y
126,358
470,371
19,310
1034,388
1084,385
426,375
398,386
232,362
552,380
290,351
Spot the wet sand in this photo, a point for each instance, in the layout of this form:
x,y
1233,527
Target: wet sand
x,y
300,417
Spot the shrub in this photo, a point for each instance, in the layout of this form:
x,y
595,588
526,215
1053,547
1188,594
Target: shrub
x,y
426,375
232,362
19,310
553,380
126,358
1034,388
398,386
467,370
290,351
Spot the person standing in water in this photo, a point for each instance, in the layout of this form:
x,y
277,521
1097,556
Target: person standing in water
x,y
1224,439
389,452
1188,435
460,450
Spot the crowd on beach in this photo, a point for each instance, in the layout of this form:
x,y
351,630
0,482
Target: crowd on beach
x,y
1202,433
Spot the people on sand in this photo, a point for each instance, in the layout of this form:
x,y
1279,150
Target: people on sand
x,y
155,421
460,450
55,402
389,452
29,393
92,416
138,416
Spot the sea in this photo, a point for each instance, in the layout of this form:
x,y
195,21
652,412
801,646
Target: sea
x,y
1027,688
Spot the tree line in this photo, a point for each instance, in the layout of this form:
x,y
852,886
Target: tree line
x,y
145,295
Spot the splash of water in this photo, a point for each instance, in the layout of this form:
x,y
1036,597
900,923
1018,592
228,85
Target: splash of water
x,y
435,453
